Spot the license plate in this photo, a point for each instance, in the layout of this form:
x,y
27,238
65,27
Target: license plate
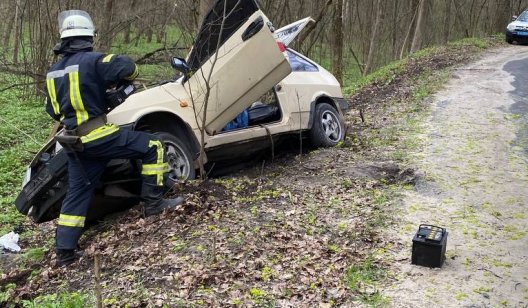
x,y
522,33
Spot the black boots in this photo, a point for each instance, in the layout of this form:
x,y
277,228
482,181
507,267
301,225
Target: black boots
x,y
152,197
66,257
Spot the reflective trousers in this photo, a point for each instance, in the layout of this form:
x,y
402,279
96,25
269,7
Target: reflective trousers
x,y
89,166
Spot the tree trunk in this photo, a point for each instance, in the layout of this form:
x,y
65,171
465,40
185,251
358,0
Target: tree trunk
x,y
17,32
311,26
418,31
337,60
504,15
205,7
374,38
106,39
9,28
409,31
447,21
128,28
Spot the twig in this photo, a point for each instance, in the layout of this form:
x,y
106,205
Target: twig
x,y
262,169
152,53
20,131
97,271
300,125
20,85
487,270
214,247
362,115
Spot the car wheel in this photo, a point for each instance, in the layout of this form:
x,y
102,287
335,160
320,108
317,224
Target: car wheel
x,y
509,41
179,158
328,128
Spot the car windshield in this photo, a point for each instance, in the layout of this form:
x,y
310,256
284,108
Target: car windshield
x,y
523,17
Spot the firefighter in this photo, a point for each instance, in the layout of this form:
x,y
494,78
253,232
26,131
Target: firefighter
x,y
76,87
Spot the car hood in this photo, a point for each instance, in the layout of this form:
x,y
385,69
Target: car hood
x,y
518,23
171,97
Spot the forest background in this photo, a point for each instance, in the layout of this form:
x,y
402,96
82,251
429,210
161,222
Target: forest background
x,y
352,38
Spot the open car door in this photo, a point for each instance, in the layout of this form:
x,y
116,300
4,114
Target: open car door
x,y
288,33
235,59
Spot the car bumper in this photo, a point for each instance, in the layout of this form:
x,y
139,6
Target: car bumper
x,y
520,37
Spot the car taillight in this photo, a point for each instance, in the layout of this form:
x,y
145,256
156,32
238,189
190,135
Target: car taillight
x,y
282,47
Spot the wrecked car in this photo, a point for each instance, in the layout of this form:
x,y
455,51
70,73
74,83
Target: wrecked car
x,y
248,69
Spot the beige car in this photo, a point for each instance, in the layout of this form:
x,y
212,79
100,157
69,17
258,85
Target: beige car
x,y
259,90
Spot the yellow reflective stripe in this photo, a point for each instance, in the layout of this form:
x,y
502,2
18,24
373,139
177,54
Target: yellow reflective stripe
x,y
156,169
76,99
100,132
134,74
108,58
159,148
52,92
71,221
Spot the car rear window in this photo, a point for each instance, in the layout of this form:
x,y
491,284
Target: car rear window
x,y
299,64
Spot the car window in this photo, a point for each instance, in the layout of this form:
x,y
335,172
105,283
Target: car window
x,y
523,17
237,13
299,64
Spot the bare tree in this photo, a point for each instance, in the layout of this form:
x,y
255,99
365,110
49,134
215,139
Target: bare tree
x,y
418,31
17,31
106,32
205,6
374,37
337,59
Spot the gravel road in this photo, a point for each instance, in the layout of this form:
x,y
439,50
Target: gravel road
x,y
475,184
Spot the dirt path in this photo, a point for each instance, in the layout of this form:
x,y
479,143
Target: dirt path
x,y
476,185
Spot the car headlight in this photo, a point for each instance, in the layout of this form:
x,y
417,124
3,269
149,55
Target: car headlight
x,y
511,27
27,177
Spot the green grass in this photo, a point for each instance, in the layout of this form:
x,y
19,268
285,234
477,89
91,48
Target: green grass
x,y
62,300
387,73
24,127
363,274
362,278
140,47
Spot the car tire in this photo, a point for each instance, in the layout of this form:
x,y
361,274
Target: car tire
x,y
179,158
328,126
509,41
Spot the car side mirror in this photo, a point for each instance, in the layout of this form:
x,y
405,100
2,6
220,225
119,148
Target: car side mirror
x,y
514,18
180,65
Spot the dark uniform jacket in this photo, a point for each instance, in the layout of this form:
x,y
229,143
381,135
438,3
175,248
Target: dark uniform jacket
x,y
78,82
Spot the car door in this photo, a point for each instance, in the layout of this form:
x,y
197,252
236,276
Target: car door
x,y
235,60
288,33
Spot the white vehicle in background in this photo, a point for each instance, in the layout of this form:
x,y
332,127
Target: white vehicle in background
x,y
278,91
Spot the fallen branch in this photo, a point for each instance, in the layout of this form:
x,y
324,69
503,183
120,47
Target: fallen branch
x,y
152,53
97,272
21,85
489,271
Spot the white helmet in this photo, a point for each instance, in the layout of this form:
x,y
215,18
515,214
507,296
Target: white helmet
x,y
75,23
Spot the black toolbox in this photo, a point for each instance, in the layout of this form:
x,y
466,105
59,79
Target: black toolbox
x,y
429,246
